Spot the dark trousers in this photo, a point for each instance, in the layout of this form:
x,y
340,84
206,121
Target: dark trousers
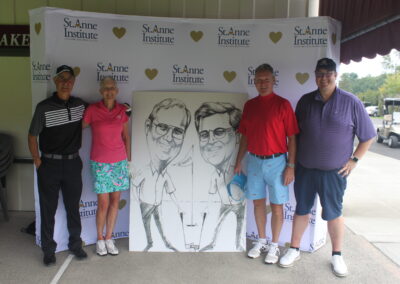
x,y
148,210
54,175
225,209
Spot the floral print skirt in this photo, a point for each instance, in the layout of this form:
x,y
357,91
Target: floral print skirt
x,y
110,177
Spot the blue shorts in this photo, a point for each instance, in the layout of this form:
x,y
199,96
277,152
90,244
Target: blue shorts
x,y
261,173
329,185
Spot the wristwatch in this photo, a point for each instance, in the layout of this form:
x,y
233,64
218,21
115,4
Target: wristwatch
x,y
354,158
290,165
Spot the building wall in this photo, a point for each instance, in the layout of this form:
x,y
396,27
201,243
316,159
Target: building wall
x,y
16,102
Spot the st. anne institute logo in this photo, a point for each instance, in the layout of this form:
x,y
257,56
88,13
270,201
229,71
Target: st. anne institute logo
x,y
80,29
158,34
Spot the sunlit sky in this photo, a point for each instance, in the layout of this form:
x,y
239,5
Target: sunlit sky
x,y
365,67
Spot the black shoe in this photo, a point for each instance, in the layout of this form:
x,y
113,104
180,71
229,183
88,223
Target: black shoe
x,y
49,259
79,253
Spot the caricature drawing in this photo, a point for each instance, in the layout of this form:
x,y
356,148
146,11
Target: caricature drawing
x,y
165,130
216,124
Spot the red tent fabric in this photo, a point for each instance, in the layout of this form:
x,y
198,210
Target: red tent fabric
x,y
369,27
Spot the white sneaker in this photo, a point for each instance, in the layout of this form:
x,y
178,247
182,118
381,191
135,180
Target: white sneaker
x,y
272,255
257,249
339,268
111,248
101,248
289,258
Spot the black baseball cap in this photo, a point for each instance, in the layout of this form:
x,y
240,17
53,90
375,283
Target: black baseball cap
x,y
326,63
64,68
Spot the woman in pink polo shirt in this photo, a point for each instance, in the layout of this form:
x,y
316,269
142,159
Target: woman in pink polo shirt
x,y
108,159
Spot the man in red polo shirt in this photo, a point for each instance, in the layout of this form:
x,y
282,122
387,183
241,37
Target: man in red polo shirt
x,y
268,129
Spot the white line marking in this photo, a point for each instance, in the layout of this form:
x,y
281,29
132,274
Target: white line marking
x,y
62,269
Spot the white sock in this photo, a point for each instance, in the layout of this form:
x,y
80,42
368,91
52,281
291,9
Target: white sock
x,y
274,244
263,241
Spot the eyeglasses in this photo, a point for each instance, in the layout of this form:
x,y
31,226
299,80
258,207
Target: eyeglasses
x,y
162,129
108,88
324,74
68,79
260,81
218,134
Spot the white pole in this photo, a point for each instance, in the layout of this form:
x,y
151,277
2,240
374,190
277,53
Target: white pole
x,y
313,8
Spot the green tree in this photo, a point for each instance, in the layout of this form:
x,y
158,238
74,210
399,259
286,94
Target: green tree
x,y
347,81
391,87
367,89
372,96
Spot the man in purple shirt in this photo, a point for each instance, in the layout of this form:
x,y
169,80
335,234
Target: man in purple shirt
x,y
329,119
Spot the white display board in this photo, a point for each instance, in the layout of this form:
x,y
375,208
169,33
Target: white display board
x,y
179,196
168,54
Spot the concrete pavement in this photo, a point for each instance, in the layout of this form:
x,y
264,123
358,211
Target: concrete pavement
x,y
21,262
372,202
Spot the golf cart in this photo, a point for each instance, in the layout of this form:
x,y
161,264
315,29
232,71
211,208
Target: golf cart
x,y
389,132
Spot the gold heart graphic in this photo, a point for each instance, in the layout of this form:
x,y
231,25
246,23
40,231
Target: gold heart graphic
x,y
151,73
121,204
268,209
119,32
77,70
334,38
302,77
275,36
196,36
229,76
38,27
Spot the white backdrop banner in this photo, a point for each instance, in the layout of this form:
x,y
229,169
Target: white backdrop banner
x,y
171,54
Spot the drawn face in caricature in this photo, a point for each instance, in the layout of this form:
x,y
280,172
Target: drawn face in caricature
x,y
166,133
217,139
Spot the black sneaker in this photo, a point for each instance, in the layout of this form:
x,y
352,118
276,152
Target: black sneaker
x,y
79,253
49,259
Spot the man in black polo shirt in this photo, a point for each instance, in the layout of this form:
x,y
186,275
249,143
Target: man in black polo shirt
x,y
57,122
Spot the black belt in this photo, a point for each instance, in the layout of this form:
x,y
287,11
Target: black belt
x,y
267,157
60,157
